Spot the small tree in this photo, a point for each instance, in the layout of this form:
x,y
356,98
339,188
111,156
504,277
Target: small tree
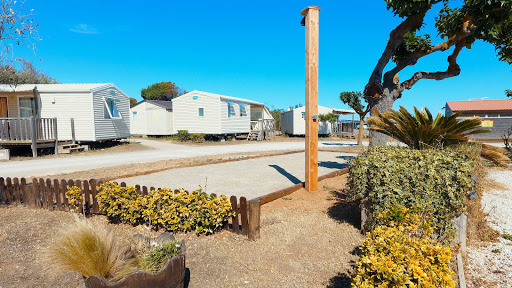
x,y
508,92
28,74
353,99
276,114
331,118
133,101
162,91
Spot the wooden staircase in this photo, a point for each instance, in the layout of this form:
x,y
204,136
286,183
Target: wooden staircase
x,y
254,135
68,148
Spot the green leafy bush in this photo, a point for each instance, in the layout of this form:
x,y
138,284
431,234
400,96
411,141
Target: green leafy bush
x,y
183,135
180,211
436,181
400,253
156,258
197,137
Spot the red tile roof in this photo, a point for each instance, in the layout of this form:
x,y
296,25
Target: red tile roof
x,y
481,105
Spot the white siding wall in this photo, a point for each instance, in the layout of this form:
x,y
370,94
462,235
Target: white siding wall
x,y
110,129
138,126
186,114
65,106
158,120
293,123
235,123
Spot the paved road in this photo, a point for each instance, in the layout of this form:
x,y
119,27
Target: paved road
x,y
163,151
248,178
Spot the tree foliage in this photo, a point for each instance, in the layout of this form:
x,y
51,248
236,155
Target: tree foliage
x,y
17,27
276,114
353,99
27,74
133,101
162,91
508,92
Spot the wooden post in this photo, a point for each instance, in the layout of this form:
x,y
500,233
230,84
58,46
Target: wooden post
x,y
73,130
55,135
33,130
311,17
254,219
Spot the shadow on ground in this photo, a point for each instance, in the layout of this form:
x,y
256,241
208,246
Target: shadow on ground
x,y
344,210
337,144
342,280
332,165
285,173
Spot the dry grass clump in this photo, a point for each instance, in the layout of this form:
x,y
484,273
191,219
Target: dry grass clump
x,y
91,249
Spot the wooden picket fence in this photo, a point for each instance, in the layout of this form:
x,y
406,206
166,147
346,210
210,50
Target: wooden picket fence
x,y
50,194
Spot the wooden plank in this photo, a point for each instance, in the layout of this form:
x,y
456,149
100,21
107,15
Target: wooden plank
x,y
234,219
137,188
78,183
49,193
35,194
254,219
16,188
94,187
144,190
123,184
24,192
58,194
243,216
43,193
87,195
10,194
63,190
152,189
33,135
3,191
311,14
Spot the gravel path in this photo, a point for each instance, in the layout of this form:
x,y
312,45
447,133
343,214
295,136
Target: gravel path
x,y
163,151
491,266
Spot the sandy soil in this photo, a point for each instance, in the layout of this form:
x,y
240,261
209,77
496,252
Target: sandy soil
x,y
307,240
99,148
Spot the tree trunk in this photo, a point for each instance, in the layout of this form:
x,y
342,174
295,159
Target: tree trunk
x,y
360,134
382,104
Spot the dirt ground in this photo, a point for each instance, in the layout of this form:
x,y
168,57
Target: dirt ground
x,y
124,171
307,240
23,154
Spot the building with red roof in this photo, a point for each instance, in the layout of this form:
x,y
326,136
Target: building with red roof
x,y
495,114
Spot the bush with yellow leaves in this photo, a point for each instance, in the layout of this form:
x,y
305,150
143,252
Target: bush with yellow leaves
x,y
401,253
75,196
180,211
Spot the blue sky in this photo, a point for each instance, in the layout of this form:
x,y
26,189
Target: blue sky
x,y
244,49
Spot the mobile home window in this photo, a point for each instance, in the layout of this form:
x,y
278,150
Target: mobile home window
x,y
27,107
111,109
242,110
303,115
231,109
201,112
134,116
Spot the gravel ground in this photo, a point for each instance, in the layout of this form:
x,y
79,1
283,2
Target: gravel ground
x,y
491,265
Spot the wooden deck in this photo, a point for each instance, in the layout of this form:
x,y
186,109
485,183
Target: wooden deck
x,y
34,132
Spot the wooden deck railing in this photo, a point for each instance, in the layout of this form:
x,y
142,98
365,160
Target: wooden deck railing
x,y
263,125
27,130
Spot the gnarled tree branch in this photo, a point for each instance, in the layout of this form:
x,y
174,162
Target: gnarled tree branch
x,y
453,69
468,28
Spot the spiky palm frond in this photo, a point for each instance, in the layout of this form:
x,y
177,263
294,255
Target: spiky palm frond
x,y
494,154
422,130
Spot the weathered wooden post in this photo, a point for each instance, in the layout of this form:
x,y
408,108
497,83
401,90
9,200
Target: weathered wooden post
x,y
311,17
33,135
254,219
55,135
73,130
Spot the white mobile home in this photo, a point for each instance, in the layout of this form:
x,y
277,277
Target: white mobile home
x,y
293,121
151,117
202,112
100,111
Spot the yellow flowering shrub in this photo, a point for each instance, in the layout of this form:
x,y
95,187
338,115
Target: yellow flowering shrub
x,y
400,253
75,197
165,209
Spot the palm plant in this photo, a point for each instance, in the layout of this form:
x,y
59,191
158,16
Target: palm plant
x,y
424,131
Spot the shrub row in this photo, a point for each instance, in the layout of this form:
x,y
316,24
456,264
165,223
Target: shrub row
x,y
400,253
164,209
183,136
436,181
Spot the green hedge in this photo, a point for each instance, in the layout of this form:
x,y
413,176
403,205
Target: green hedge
x,y
437,181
